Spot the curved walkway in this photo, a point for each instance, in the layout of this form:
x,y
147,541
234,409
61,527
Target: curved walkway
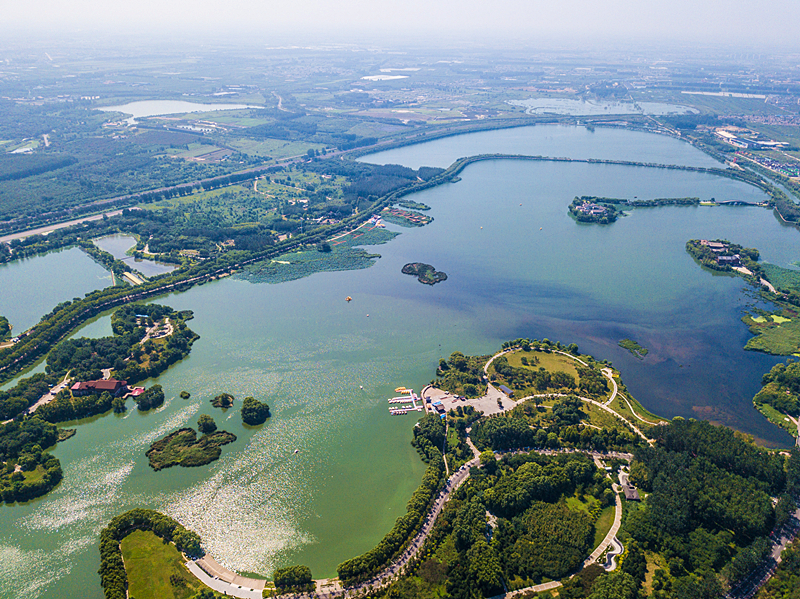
x,y
630,407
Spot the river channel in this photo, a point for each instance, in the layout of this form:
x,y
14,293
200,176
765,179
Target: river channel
x,y
517,265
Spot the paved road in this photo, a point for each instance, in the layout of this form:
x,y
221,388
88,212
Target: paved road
x,y
748,587
221,586
48,228
610,376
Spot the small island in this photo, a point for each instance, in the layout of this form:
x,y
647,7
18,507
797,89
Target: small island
x,y
405,218
413,205
425,273
254,412
223,400
592,210
633,347
183,448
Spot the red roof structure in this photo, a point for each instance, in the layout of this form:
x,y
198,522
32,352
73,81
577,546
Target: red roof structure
x,y
113,386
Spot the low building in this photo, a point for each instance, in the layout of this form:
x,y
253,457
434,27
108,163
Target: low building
x,y
113,386
506,390
631,493
734,260
592,209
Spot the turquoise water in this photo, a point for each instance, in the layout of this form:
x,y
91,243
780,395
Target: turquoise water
x,y
517,265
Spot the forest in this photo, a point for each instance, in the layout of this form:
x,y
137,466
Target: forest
x,y
130,359
27,469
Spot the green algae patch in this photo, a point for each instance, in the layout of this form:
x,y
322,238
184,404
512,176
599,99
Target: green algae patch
x,y
335,255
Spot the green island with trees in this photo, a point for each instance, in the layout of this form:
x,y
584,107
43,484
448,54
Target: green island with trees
x,y
633,347
425,273
183,448
148,339
254,412
223,400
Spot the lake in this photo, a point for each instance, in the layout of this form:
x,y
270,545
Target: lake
x,y
147,108
517,265
118,246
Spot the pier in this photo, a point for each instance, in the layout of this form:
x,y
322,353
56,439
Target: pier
x,y
405,403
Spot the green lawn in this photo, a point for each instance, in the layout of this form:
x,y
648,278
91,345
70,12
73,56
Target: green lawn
x,y
277,148
549,361
155,569
599,417
580,505
777,418
603,524
622,409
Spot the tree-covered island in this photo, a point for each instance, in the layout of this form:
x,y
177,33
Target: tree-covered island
x,y
425,273
183,448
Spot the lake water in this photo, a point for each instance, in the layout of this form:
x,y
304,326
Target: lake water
x,y
32,287
598,107
549,140
517,265
147,108
118,246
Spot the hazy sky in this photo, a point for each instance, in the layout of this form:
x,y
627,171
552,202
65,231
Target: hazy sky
x,y
753,23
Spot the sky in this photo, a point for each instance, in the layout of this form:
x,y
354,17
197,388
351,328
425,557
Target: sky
x,y
752,23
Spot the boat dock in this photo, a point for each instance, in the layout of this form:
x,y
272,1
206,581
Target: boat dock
x,y
408,400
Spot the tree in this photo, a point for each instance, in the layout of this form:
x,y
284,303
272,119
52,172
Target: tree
x,y
293,577
185,395
488,461
617,585
634,562
254,412
206,424
118,405
223,400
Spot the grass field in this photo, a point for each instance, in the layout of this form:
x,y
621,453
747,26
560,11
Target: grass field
x,y
155,569
780,336
783,278
621,408
277,148
604,523
551,362
777,418
654,562
581,505
599,417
